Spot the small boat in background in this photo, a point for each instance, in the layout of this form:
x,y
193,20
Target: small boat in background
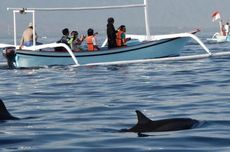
x,y
218,38
224,34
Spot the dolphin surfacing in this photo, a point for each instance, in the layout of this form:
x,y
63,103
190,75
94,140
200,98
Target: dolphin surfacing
x,y
4,114
145,124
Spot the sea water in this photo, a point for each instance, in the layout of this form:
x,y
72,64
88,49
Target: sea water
x,y
82,109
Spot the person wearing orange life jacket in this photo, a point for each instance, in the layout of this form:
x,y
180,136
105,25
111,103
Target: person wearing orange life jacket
x,y
121,37
91,40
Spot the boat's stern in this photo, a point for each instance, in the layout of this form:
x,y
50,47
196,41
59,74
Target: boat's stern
x,y
9,54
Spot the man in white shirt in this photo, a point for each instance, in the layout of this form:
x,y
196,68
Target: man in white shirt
x,y
226,28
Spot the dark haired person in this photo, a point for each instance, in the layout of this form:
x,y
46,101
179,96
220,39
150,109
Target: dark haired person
x,y
121,36
75,42
91,40
111,33
65,38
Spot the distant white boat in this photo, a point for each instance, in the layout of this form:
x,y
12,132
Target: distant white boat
x,y
221,36
218,38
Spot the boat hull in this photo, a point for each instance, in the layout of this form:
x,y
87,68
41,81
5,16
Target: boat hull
x,y
145,50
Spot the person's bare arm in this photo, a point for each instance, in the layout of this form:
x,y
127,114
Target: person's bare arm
x,y
21,42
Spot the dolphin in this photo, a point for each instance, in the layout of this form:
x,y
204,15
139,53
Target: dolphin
x,y
145,124
4,114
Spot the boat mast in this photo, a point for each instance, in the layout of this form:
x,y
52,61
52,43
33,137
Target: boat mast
x,y
220,26
34,34
147,20
15,30
23,11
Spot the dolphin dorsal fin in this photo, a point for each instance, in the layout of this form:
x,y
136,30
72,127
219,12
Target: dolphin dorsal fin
x,y
3,107
142,119
4,114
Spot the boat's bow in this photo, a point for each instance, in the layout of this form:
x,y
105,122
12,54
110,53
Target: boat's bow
x,y
173,36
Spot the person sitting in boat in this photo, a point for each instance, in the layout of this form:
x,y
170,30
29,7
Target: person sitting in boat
x,y
111,33
75,42
121,37
27,36
226,28
65,38
91,40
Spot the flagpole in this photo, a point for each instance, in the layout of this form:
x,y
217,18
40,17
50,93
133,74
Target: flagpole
x,y
147,20
220,25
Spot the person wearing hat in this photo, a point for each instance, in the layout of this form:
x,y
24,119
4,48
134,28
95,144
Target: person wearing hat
x,y
27,36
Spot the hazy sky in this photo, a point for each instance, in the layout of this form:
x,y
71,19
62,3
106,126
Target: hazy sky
x,y
176,14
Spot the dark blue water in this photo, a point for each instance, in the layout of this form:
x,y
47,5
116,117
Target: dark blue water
x,y
82,109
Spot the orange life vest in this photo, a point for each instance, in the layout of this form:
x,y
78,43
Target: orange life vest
x,y
118,39
89,41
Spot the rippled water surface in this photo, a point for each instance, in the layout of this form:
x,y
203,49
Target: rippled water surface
x,y
83,109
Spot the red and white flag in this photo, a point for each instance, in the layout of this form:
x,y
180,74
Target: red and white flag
x,y
215,16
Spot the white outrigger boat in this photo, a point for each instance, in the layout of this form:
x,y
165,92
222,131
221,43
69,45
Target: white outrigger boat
x,y
142,48
219,38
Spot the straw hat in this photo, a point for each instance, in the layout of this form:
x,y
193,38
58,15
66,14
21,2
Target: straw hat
x,y
30,24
